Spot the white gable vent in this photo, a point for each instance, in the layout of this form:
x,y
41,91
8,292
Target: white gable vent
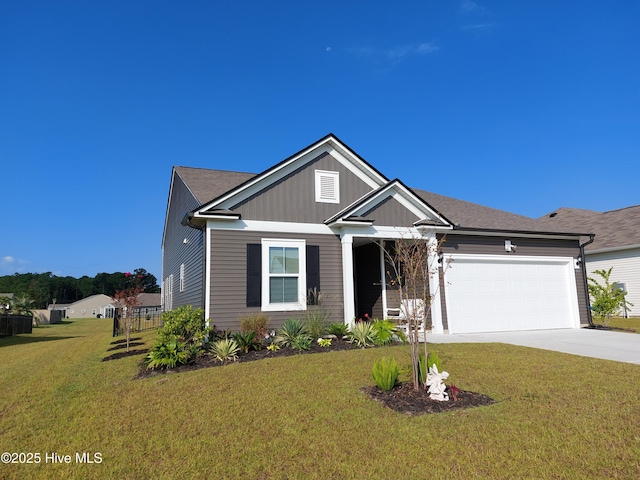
x,y
327,186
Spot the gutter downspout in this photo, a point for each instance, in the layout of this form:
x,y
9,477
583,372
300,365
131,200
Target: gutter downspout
x,y
592,237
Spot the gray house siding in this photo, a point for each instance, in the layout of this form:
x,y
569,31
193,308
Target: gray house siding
x,y
178,252
477,245
293,198
391,212
228,292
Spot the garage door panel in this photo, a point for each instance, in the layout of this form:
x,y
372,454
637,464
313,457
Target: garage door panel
x,y
515,294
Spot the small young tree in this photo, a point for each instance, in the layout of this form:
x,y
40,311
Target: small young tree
x,y
606,300
126,300
414,261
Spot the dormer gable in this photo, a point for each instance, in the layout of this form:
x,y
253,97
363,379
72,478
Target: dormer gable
x,y
393,205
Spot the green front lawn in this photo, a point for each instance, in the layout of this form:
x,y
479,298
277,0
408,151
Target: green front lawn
x,y
632,323
557,416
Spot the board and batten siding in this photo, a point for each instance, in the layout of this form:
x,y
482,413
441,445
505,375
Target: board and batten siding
x,y
484,245
228,291
177,252
293,198
391,212
626,269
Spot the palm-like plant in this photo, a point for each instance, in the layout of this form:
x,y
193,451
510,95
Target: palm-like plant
x,y
22,305
225,349
292,333
168,355
362,335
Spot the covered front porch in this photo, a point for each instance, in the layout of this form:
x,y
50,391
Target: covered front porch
x,y
370,289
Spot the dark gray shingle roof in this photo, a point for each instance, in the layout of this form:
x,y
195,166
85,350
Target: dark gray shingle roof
x,y
471,215
209,184
615,228
149,299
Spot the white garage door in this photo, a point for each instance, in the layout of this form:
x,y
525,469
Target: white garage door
x,y
500,293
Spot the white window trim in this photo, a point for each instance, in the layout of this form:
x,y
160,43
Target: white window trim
x,y
182,277
301,304
168,293
335,177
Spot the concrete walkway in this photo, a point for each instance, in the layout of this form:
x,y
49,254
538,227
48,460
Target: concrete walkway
x,y
608,345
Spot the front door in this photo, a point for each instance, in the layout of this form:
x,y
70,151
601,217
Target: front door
x,y
368,286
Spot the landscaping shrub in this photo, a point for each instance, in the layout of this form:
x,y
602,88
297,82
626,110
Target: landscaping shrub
x,y
293,332
184,324
301,342
387,331
315,324
385,373
432,359
169,354
362,335
338,329
255,323
225,349
247,341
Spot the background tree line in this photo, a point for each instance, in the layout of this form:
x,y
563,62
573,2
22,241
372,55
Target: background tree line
x,y
43,288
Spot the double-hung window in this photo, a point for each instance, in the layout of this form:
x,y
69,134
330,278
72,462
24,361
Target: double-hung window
x,y
284,283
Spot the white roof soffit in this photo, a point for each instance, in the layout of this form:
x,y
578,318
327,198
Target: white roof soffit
x,y
328,144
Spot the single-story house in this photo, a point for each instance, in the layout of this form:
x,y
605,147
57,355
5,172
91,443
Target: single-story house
x,y
149,303
616,244
93,306
240,244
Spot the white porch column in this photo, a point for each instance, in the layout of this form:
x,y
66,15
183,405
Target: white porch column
x,y
348,290
434,285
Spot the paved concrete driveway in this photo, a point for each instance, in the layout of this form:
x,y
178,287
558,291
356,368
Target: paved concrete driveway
x,y
609,345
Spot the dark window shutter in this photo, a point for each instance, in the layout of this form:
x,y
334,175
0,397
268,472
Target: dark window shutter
x,y
254,274
313,273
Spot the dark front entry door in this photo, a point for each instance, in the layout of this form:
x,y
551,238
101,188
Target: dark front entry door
x,y
367,281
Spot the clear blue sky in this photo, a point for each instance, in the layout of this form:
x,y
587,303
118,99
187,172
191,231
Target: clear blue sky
x,y
524,106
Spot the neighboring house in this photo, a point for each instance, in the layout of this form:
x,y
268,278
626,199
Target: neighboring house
x,y
240,244
149,303
616,244
93,306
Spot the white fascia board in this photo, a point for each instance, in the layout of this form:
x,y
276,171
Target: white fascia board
x,y
415,204
218,217
276,227
395,233
329,145
351,223
611,249
399,193
506,233
355,229
356,166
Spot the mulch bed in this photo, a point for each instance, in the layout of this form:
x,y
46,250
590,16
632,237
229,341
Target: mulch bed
x,y
404,399
208,361
121,345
